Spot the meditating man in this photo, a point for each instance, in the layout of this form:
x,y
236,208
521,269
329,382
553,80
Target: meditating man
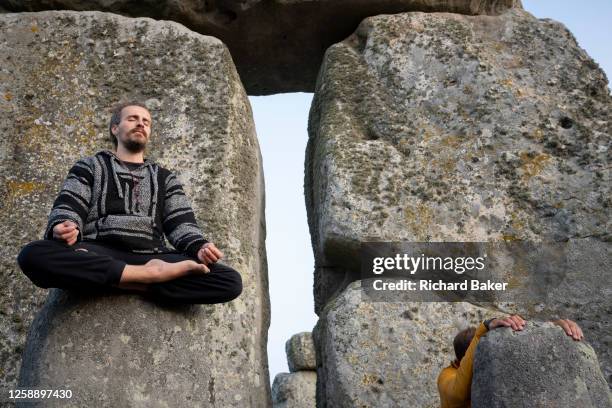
x,y
107,227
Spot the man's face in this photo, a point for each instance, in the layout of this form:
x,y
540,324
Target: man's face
x,y
134,129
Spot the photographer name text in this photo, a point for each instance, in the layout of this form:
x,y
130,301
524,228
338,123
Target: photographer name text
x,y
430,285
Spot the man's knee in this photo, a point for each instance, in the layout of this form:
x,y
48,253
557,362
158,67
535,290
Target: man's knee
x,y
223,284
30,256
31,260
231,281
234,288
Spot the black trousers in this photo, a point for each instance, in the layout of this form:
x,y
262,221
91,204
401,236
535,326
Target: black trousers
x,y
53,264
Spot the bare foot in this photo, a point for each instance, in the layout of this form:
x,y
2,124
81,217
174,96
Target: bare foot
x,y
161,271
156,271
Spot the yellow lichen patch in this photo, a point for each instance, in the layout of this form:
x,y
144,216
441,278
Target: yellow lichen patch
x,y
35,136
538,135
369,379
510,237
451,141
514,282
506,82
87,135
518,222
419,219
427,135
20,188
353,359
449,165
8,96
533,164
17,189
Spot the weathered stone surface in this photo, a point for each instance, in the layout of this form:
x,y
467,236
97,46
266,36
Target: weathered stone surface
x,y
61,72
118,350
300,352
537,367
277,45
378,354
442,127
583,295
294,390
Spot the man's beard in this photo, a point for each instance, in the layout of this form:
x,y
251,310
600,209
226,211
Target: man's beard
x,y
134,146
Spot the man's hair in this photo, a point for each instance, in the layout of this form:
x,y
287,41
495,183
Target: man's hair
x,y
116,116
462,341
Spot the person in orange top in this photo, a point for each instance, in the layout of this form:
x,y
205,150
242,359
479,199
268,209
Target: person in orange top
x,y
455,381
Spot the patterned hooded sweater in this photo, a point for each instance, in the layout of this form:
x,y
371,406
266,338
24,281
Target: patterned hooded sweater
x,y
129,206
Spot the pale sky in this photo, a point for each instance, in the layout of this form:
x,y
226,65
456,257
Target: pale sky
x,y
281,122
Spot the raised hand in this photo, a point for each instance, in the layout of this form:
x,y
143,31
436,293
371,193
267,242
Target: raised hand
x,y
209,253
67,231
516,322
571,328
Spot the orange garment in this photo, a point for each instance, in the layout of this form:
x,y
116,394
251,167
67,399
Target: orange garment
x,y
455,381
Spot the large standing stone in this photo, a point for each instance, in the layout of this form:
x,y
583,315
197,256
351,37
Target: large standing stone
x,y
537,367
294,390
443,127
300,352
61,72
377,354
277,45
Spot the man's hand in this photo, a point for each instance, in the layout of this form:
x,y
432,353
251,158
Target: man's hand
x,y
67,231
516,322
570,328
209,253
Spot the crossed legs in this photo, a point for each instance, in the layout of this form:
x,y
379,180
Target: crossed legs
x,y
170,277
